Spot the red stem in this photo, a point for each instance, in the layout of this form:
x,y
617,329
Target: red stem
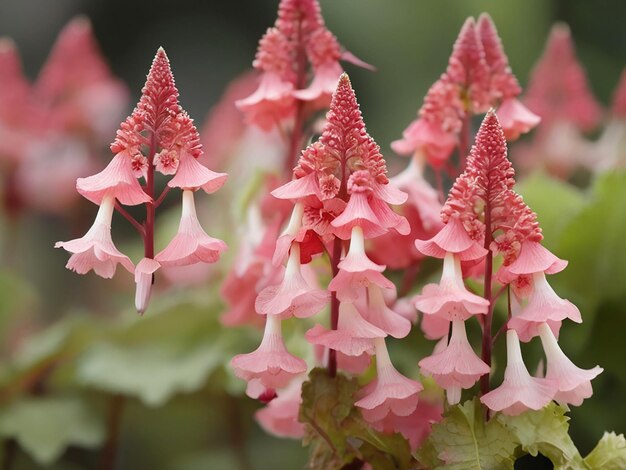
x,y
487,340
150,205
334,306
109,452
130,218
158,202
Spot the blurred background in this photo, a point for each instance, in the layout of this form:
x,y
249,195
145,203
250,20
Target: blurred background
x,y
185,411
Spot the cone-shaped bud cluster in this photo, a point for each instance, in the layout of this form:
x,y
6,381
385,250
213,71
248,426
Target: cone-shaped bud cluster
x,y
483,215
157,135
298,41
478,77
558,89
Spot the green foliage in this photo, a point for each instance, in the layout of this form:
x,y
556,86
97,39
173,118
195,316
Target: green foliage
x,y
609,454
336,431
463,440
168,352
546,432
45,427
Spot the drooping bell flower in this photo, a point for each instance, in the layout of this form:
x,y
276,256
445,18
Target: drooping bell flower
x,y
390,391
270,365
357,272
450,299
353,337
95,250
280,416
516,119
293,297
144,275
378,313
573,383
519,391
456,367
191,244
558,88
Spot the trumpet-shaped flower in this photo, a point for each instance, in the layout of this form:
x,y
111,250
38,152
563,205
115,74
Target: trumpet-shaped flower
x,y
293,297
379,314
144,276
457,366
353,337
573,383
96,250
516,119
390,392
519,391
450,299
191,244
280,416
271,365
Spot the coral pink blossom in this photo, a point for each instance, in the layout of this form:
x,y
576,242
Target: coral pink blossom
x,y
533,258
450,299
144,275
353,336
191,244
117,179
293,297
96,249
456,367
427,138
434,327
516,119
573,383
452,238
543,305
379,314
390,392
416,426
191,174
519,391
280,416
357,271
271,365
558,88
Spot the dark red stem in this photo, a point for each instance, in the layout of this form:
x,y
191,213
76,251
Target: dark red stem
x,y
487,340
334,306
150,205
130,218
111,446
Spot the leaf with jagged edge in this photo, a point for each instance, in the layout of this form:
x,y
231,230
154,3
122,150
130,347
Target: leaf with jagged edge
x,y
45,427
336,431
463,440
608,454
546,432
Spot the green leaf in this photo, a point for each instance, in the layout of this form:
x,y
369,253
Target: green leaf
x,y
336,431
609,454
463,440
168,352
546,432
45,427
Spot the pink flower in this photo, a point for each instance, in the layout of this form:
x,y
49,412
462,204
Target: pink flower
x,y
291,232
117,180
573,383
426,137
533,258
96,249
452,238
379,314
543,305
191,244
353,336
293,296
450,299
144,275
271,365
357,271
456,367
166,162
516,119
434,327
280,416
191,174
519,391
390,391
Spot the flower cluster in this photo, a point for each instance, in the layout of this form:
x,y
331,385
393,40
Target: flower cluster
x,y
158,135
340,193
478,77
298,39
52,130
485,218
